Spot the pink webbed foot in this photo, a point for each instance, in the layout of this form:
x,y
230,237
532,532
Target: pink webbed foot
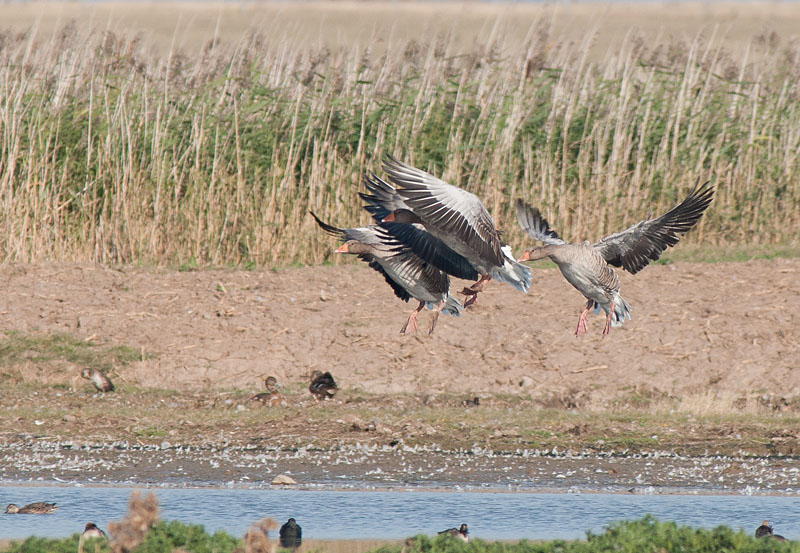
x,y
607,329
435,317
472,291
582,327
411,323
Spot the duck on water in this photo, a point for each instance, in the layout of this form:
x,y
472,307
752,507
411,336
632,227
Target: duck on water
x,y
38,508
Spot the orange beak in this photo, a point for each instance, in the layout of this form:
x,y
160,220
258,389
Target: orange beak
x,y
388,219
342,249
526,256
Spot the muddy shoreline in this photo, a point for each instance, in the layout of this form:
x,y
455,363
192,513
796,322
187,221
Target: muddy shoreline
x,y
372,467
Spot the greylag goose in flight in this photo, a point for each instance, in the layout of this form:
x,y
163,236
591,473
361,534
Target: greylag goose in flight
x,y
414,235
588,266
456,217
408,274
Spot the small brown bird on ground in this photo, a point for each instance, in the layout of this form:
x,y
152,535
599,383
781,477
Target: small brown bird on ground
x,y
38,508
100,381
322,386
765,531
462,532
272,396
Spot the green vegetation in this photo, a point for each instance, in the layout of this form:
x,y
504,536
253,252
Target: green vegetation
x,y
16,347
643,536
164,537
114,153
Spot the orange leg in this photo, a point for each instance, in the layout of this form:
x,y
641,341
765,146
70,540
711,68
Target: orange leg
x,y
436,316
411,323
472,291
582,328
607,329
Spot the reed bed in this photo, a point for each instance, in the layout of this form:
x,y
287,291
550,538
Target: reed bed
x,y
114,152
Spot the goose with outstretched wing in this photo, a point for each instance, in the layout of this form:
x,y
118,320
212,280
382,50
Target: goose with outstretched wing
x,y
588,267
457,218
408,274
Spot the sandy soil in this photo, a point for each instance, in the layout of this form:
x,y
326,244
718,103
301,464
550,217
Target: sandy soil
x,y
725,328
711,334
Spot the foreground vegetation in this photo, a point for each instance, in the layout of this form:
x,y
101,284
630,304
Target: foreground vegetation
x,y
642,536
115,152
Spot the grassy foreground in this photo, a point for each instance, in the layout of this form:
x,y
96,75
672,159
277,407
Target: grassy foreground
x,y
642,536
116,152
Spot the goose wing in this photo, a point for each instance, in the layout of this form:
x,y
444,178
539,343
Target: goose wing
x,y
536,226
397,257
449,209
635,247
399,289
410,267
415,237
366,235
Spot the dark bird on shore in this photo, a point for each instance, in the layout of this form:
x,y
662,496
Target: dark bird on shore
x,y
588,266
462,532
322,386
456,217
38,508
291,535
474,402
92,531
407,273
272,396
765,531
100,381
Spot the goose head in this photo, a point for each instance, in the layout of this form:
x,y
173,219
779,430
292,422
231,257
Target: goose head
x,y
402,216
354,247
534,253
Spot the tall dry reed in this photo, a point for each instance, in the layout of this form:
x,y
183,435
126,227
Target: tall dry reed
x,y
114,153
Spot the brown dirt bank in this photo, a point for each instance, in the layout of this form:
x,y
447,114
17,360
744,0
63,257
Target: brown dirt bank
x,y
726,329
704,368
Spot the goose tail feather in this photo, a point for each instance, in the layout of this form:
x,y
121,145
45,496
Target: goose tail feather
x,y
513,272
622,310
452,306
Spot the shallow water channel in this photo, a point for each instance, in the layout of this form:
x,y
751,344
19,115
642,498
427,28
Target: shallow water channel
x,y
395,514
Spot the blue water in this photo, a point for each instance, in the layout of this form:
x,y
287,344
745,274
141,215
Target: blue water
x,y
398,514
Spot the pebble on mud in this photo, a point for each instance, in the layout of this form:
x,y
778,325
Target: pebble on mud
x,y
526,382
283,480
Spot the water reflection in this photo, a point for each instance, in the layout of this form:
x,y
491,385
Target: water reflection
x,y
395,514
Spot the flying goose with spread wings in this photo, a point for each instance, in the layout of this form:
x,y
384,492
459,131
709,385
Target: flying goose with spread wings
x,y
456,217
408,274
588,267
